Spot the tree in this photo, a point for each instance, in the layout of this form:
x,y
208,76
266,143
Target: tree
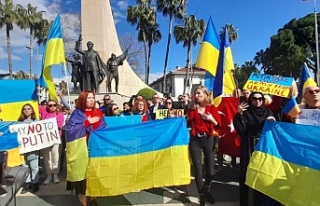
x,y
41,30
243,72
29,16
143,15
21,75
153,35
293,45
189,34
7,18
135,54
232,32
175,9
147,93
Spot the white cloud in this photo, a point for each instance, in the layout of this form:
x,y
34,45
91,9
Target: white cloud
x,y
4,55
154,76
123,5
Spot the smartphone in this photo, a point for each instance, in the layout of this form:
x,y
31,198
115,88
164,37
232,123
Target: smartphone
x,y
242,99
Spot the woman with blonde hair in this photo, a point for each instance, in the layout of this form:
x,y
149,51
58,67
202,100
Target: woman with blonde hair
x,y
203,119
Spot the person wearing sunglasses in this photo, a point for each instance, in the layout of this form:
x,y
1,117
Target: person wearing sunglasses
x,y
51,154
106,101
168,103
248,123
140,108
311,98
112,110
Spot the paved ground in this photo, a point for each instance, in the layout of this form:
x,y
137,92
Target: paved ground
x,y
225,192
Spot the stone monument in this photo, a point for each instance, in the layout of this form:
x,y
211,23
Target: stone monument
x,y
98,26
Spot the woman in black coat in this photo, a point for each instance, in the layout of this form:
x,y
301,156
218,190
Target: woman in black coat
x,y
249,122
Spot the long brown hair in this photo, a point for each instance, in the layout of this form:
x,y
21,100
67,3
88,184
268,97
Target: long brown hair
x,y
23,117
136,103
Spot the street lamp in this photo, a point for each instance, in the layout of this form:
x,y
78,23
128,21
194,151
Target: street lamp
x,y
31,58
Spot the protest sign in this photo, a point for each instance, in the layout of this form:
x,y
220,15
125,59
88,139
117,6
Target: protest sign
x,y
269,84
163,113
309,117
15,94
36,135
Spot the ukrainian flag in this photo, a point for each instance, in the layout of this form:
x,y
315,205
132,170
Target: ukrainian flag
x,y
137,157
224,82
54,54
14,94
286,164
292,108
209,54
305,80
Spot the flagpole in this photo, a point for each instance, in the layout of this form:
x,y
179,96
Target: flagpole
x,y
317,41
68,89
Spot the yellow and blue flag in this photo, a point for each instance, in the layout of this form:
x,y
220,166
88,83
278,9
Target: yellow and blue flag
x,y
292,108
306,80
209,54
138,156
54,54
15,94
286,164
224,82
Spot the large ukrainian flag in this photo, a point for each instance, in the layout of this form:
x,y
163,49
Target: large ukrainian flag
x,y
54,54
306,80
139,156
286,164
209,54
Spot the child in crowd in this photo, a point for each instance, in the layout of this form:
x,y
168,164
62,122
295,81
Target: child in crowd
x,y
172,113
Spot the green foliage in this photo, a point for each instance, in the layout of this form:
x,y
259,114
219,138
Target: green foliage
x,y
242,73
147,93
290,48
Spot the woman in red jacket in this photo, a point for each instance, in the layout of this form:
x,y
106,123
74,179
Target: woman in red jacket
x,y
203,119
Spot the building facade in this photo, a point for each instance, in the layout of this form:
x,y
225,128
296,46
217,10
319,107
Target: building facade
x,y
176,81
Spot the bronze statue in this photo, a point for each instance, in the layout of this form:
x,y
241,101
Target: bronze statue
x,y
112,69
93,68
76,72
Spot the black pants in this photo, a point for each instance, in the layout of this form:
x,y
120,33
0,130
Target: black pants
x,y
198,145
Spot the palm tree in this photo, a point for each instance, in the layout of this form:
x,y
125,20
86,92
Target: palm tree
x,y
188,34
41,30
7,18
175,9
143,15
153,35
30,17
232,32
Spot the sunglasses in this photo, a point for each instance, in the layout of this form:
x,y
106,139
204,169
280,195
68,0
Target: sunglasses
x,y
52,105
115,108
168,102
106,99
316,91
257,98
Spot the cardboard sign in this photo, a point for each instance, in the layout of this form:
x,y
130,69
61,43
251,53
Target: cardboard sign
x,y
163,113
269,84
309,117
36,135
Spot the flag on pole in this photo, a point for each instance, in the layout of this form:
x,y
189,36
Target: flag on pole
x,y
54,54
292,108
209,54
305,80
224,82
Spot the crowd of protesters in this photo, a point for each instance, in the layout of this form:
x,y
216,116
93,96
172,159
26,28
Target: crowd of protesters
x,y
202,118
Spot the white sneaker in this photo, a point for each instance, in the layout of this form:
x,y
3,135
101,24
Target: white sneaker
x,y
56,179
48,180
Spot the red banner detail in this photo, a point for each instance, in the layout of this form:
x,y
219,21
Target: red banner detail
x,y
229,142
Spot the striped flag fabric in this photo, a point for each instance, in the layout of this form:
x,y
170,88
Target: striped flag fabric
x,y
292,108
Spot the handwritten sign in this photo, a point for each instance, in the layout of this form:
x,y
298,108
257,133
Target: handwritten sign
x,y
269,84
163,113
309,117
36,135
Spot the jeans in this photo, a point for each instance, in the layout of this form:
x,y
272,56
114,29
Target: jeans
x,y
32,161
51,159
198,145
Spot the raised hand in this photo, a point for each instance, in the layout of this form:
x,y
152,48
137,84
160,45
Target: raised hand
x,y
93,120
242,107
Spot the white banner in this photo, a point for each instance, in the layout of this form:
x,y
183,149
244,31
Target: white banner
x,y
36,135
309,117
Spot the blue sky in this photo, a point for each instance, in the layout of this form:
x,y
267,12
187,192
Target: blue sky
x,y
257,21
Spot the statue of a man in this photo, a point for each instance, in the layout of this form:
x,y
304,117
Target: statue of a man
x,y
112,69
93,68
76,72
